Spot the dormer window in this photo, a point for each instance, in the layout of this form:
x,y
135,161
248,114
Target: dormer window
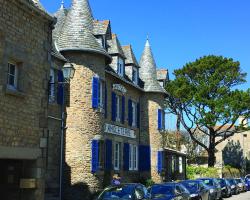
x,y
135,75
120,67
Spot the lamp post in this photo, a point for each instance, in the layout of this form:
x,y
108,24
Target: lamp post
x,y
68,73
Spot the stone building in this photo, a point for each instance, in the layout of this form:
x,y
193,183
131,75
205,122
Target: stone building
x,y
115,110
61,137
25,54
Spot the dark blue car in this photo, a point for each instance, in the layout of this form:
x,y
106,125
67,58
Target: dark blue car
x,y
130,191
198,190
214,188
169,191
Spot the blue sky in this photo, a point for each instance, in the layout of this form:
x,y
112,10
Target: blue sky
x,y
179,30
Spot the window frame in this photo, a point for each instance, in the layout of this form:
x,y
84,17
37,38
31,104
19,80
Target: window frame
x,y
101,93
101,154
52,88
120,67
117,156
135,75
180,164
13,86
133,157
118,107
134,113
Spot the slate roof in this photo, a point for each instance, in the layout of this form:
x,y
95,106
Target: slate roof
x,y
114,46
102,28
60,15
77,32
130,56
148,71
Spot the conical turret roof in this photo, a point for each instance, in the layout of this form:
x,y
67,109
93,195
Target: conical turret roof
x,y
148,72
60,16
77,31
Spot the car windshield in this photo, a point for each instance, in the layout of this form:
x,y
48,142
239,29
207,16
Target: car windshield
x,y
232,181
192,186
238,180
208,182
118,192
222,182
162,190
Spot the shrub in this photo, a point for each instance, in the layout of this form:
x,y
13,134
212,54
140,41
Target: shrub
x,y
229,171
194,172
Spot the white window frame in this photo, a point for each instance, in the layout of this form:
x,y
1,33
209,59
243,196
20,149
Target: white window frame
x,y
120,67
135,75
118,108
133,157
180,165
52,85
134,113
117,153
101,94
15,75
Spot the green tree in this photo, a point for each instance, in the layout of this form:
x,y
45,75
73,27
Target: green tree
x,y
204,97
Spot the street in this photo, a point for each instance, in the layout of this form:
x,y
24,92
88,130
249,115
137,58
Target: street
x,y
242,196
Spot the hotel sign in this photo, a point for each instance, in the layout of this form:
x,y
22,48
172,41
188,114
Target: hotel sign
x,y
119,88
117,130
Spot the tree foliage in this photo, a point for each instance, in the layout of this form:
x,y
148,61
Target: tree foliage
x,y
204,96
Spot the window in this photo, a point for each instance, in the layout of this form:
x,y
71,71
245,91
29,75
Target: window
x,y
12,76
161,119
180,165
135,75
118,108
52,86
117,153
134,113
120,67
133,157
101,94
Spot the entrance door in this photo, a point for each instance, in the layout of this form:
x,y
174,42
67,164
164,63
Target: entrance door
x,y
10,174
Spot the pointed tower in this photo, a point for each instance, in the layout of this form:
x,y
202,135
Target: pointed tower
x,y
152,111
77,32
85,115
148,71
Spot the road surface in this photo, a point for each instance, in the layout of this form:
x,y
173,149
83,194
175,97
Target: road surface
x,y
242,196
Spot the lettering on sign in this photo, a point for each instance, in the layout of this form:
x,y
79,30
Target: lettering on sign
x,y
119,88
117,130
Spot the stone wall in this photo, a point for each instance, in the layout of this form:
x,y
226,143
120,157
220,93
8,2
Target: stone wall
x,y
83,123
151,103
25,38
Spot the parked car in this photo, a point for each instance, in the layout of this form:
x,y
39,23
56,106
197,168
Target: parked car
x,y
169,191
225,187
234,186
130,191
214,188
197,189
241,184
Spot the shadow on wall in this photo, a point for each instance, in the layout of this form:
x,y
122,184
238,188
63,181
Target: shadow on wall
x,y
77,191
232,155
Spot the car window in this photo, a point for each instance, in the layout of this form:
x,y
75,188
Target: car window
x,y
183,189
139,193
178,189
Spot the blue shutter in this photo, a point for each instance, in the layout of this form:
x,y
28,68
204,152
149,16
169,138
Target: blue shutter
x,y
159,161
113,106
106,101
95,92
123,110
126,156
108,156
60,88
144,158
159,119
130,113
95,156
138,115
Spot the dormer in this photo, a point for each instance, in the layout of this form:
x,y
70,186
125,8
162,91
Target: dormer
x,y
102,32
118,56
162,77
131,64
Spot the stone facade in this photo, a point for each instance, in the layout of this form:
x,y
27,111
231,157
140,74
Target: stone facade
x,y
25,42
